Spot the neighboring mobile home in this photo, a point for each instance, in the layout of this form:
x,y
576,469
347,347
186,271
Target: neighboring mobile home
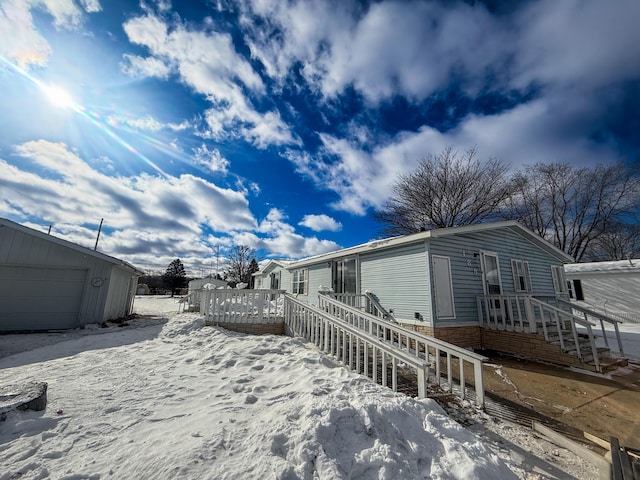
x,y
274,276
612,288
431,281
47,283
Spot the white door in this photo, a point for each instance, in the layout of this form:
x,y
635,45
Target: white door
x,y
443,287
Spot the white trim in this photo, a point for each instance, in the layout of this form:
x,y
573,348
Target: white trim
x,y
304,283
436,233
559,279
515,270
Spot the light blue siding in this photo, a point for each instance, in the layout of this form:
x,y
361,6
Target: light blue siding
x,y
464,249
399,278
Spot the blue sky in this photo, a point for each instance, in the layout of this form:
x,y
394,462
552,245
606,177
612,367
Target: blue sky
x,y
282,124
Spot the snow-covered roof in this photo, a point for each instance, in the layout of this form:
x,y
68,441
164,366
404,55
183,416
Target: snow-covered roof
x,y
631,265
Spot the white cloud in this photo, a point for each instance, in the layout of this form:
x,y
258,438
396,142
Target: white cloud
x,y
282,240
406,48
21,41
529,133
148,220
321,222
91,6
212,160
149,123
66,13
164,209
578,44
208,62
134,65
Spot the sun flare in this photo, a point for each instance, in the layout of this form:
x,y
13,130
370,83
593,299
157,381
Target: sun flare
x,y
58,96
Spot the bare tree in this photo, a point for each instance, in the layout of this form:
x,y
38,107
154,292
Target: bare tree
x,y
621,242
446,190
241,263
573,207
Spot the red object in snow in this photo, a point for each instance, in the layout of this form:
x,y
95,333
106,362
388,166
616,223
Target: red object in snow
x,y
60,412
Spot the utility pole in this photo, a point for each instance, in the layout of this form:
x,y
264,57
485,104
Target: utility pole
x,y
217,259
98,237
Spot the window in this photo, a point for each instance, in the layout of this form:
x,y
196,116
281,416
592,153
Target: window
x,y
575,289
521,277
559,282
299,281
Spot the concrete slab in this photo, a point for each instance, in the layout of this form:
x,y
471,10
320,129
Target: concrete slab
x,y
27,396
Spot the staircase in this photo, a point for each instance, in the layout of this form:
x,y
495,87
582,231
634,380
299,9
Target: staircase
x,y
550,330
583,349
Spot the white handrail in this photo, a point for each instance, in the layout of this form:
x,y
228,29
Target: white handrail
x,y
602,318
337,338
558,314
414,343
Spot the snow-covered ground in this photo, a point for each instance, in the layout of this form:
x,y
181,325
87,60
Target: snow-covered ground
x,y
167,397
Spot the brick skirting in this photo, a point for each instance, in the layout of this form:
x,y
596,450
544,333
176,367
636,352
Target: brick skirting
x,y
529,345
465,337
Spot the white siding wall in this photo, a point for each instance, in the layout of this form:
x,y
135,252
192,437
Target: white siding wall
x,y
285,278
319,274
20,249
613,292
119,298
399,278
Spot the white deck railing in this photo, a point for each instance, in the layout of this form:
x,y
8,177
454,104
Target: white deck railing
x,y
528,314
363,342
415,344
366,302
601,318
230,305
354,347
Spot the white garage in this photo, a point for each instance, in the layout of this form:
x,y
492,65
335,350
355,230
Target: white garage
x,y
47,283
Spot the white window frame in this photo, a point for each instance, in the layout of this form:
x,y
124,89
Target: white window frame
x,y
300,285
559,280
520,269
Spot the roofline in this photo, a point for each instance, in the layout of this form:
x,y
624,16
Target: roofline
x,y
435,233
280,263
4,222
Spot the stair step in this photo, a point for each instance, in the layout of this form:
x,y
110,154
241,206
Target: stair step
x,y
612,363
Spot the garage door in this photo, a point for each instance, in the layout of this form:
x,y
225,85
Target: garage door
x,y
40,298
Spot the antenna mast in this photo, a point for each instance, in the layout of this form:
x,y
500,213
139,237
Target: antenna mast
x,y
98,237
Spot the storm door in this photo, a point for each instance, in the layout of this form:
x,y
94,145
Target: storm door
x,y
491,273
344,276
492,285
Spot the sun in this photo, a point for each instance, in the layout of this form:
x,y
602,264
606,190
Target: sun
x,y
58,96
